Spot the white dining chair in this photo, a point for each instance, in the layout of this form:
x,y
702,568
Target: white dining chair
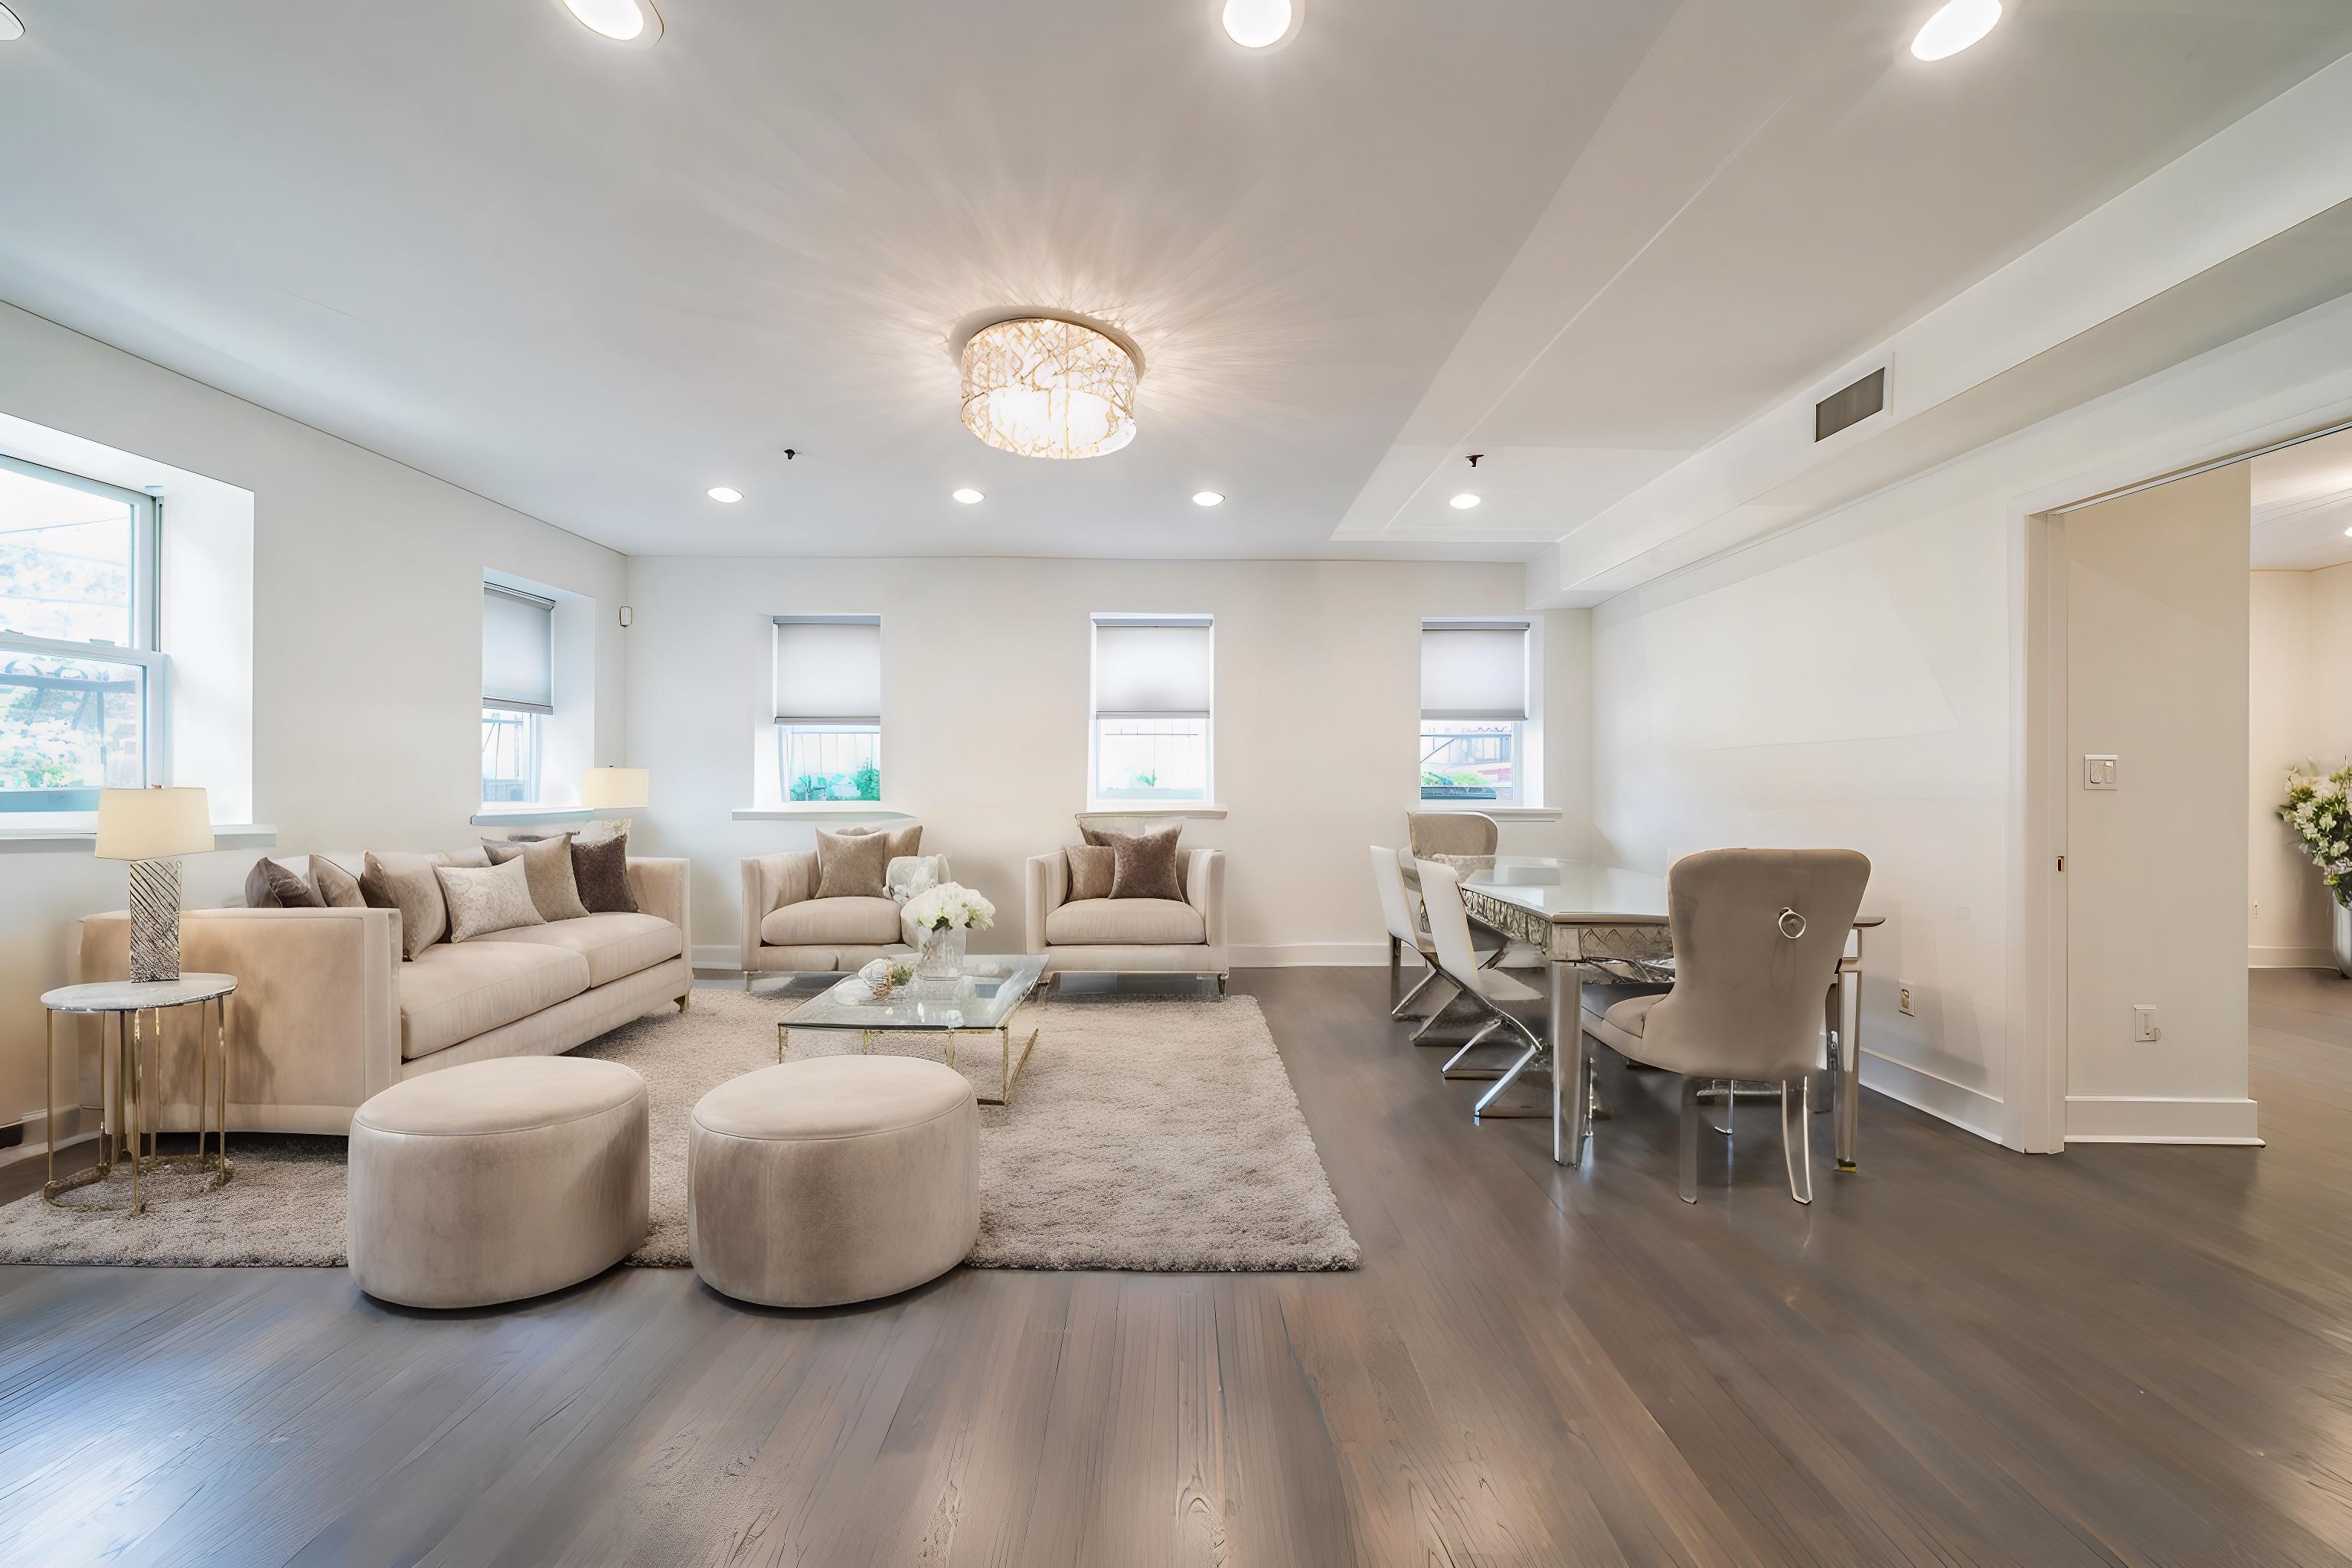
x,y
1757,935
1404,930
1492,991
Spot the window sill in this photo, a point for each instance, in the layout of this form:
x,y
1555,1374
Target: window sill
x,y
1499,813
1192,810
521,815
82,840
818,810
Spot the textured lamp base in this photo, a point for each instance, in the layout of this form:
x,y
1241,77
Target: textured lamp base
x,y
155,920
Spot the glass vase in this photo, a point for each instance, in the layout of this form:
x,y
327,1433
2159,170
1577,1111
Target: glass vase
x,y
942,957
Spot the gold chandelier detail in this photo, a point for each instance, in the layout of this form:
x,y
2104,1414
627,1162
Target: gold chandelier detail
x,y
1049,389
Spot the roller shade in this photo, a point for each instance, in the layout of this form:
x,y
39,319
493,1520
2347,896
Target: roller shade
x,y
1474,669
1152,667
828,669
515,664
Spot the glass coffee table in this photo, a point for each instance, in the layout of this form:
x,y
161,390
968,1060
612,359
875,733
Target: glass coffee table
x,y
981,1003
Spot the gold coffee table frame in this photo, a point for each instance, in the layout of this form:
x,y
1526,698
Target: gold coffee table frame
x,y
126,1087
1010,1066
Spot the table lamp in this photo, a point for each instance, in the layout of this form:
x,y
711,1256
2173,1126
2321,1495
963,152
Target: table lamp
x,y
151,828
616,789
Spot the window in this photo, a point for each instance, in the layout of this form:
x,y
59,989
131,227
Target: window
x,y
518,691
1154,678
1474,711
81,677
828,672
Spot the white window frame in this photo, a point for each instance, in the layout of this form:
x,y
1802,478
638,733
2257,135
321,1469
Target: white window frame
x,y
1526,733
786,733
788,729
145,649
534,730
535,716
1129,800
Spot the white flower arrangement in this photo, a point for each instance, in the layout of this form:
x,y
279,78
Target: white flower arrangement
x,y
2319,809
952,905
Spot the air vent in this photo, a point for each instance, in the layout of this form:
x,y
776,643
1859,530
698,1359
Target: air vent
x,y
1850,405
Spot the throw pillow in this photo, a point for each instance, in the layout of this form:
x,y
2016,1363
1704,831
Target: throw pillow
x,y
1143,865
407,883
1106,831
546,864
903,838
337,886
484,900
273,885
1090,870
850,865
908,875
600,871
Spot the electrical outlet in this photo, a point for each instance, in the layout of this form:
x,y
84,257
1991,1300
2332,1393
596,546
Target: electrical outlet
x,y
1903,996
2143,1029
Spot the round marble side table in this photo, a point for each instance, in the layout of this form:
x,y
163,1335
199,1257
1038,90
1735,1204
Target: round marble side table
x,y
126,1088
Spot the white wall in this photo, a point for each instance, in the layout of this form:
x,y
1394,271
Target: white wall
x,y
984,720
366,641
2300,692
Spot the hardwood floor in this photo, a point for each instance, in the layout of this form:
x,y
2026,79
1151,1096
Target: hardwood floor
x,y
1960,1355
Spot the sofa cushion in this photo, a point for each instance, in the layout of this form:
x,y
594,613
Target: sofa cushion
x,y
1127,921
613,945
818,922
453,991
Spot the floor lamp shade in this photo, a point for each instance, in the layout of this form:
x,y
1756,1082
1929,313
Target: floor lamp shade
x,y
151,828
615,789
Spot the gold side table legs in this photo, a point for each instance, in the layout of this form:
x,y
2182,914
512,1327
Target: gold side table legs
x,y
131,1109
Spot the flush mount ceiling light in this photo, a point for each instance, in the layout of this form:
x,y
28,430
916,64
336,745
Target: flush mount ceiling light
x,y
1261,23
968,496
1464,502
623,21
727,493
11,29
1042,388
1207,498
1959,24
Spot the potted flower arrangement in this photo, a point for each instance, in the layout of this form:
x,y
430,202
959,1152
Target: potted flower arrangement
x,y
2319,809
947,915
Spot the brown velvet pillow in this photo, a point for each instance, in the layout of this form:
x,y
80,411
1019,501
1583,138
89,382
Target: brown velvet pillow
x,y
272,886
1090,870
850,865
407,883
1144,866
337,886
600,871
903,839
547,863
1106,831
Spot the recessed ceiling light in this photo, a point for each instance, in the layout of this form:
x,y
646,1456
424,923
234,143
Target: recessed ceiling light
x,y
2347,533
727,493
1464,502
1257,24
1959,24
11,29
1207,498
623,21
969,497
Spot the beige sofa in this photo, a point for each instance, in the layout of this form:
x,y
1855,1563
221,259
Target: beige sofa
x,y
1130,936
788,929
326,1014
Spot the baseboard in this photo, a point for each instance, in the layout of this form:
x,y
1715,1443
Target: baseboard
x,y
2289,958
1971,1108
1307,955
2118,1119
727,960
36,1144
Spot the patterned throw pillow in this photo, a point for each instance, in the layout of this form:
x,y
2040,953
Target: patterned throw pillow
x,y
902,839
546,864
491,899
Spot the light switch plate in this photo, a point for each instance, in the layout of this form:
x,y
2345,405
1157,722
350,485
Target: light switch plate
x,y
2099,769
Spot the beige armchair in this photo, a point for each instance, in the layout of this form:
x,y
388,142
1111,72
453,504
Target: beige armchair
x,y
788,929
1130,936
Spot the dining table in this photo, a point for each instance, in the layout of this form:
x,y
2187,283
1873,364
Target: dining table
x,y
1602,921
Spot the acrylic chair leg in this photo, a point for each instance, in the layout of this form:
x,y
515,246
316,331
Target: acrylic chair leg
x,y
1797,1136
1687,1187
1730,1106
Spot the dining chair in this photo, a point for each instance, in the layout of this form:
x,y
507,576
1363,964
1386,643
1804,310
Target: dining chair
x,y
1404,930
1491,991
1757,935
1429,833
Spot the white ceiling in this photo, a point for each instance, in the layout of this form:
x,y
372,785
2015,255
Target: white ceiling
x,y
2302,505
591,281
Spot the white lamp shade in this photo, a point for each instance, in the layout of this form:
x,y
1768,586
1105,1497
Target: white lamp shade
x,y
153,823
610,789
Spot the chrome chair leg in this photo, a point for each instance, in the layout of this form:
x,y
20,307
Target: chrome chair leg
x,y
1797,1136
1453,1062
1730,1107
1485,1108
1433,1020
1686,1185
1403,1007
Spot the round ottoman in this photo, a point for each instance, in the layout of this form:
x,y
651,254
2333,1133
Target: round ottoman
x,y
832,1180
498,1180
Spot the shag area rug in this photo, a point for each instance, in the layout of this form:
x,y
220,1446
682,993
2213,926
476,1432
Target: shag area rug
x,y
1143,1135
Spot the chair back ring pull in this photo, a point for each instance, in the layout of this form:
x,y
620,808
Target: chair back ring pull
x,y
1787,915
